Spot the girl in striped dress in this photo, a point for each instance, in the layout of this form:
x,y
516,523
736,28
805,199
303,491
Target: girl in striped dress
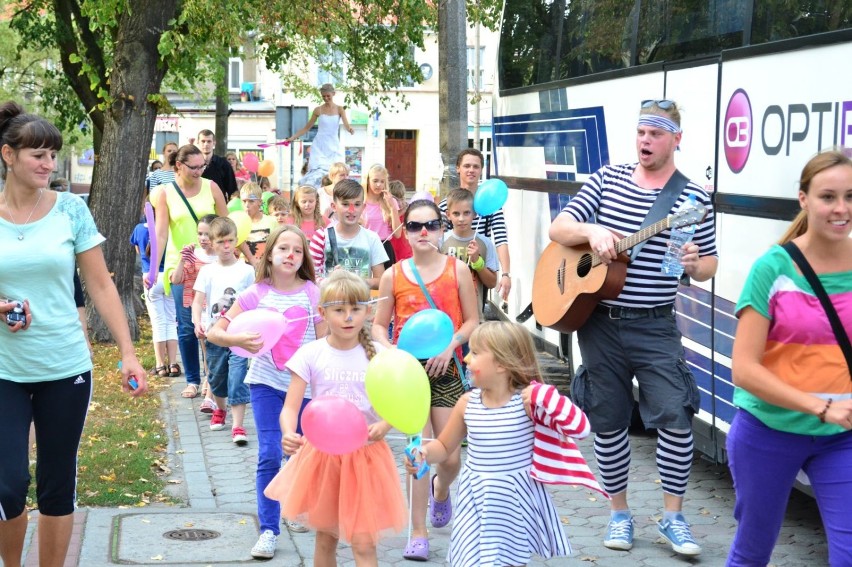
x,y
504,513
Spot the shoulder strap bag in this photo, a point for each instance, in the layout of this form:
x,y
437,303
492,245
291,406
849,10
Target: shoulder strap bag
x,y
332,244
819,291
433,306
662,205
185,201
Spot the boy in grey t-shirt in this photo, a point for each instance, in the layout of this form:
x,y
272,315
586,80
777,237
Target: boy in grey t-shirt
x,y
474,249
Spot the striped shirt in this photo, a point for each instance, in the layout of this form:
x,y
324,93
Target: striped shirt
x,y
801,347
621,206
491,226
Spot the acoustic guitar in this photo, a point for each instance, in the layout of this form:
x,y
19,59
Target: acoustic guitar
x,y
569,281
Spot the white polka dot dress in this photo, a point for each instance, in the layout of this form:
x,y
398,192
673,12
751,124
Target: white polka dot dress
x,y
502,515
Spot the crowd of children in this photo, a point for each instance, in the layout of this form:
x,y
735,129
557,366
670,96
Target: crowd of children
x,y
318,259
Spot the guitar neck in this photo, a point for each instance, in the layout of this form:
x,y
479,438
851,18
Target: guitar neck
x,y
630,241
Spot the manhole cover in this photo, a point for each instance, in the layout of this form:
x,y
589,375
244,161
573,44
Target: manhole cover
x,y
191,535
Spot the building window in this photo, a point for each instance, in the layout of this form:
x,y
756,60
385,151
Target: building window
x,y
471,68
235,74
330,68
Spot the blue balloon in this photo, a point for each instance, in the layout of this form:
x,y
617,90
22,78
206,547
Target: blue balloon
x,y
490,197
426,334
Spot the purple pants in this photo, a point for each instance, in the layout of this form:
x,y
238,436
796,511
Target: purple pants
x,y
764,463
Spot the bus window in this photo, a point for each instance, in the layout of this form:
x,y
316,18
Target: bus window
x,y
548,40
670,31
774,20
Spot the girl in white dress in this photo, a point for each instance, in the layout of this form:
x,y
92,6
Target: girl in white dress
x,y
504,513
325,148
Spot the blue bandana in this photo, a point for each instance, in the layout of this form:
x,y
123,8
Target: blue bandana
x,y
656,121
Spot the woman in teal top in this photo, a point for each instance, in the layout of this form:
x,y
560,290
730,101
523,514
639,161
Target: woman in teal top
x,y
45,367
794,390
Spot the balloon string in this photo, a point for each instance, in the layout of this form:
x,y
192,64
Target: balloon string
x,y
407,438
410,504
392,233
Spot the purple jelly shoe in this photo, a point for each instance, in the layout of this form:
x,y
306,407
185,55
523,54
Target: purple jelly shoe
x,y
417,549
440,513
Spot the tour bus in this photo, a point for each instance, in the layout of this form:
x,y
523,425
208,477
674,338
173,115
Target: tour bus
x,y
762,87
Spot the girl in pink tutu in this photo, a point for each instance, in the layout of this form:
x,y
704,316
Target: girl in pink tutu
x,y
357,496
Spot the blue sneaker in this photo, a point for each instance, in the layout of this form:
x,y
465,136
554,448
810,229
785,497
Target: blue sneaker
x,y
678,534
619,532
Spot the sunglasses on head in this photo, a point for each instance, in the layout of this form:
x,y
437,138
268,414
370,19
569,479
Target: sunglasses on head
x,y
431,226
663,103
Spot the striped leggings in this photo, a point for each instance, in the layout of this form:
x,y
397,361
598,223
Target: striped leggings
x,y
674,459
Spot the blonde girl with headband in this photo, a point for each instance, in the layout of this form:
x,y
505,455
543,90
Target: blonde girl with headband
x,y
357,496
381,209
284,282
504,514
306,211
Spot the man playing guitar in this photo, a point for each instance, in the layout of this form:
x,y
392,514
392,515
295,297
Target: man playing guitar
x,y
635,334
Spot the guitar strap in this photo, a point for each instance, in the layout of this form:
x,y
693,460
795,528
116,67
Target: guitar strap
x,y
661,207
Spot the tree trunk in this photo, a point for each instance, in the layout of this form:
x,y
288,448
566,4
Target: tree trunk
x,y
223,105
452,87
119,181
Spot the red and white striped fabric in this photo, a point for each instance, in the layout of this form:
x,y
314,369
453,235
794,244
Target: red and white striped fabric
x,y
556,458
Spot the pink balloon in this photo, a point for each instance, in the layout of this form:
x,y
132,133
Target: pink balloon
x,y
422,196
155,249
251,162
296,321
270,324
334,425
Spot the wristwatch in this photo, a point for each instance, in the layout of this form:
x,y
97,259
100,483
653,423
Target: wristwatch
x,y
506,275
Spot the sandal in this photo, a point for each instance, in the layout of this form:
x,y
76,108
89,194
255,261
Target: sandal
x,y
190,391
160,371
417,549
440,513
174,370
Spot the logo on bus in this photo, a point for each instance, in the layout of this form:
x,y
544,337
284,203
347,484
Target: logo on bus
x,y
738,130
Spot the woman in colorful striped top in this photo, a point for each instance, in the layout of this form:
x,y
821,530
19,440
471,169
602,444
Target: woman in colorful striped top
x,y
794,391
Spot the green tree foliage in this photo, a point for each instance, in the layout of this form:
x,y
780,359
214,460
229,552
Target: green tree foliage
x,y
114,56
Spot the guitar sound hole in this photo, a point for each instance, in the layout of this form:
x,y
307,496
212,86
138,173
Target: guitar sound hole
x,y
584,266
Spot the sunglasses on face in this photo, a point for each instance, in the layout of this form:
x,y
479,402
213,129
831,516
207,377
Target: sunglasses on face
x,y
662,103
194,167
431,226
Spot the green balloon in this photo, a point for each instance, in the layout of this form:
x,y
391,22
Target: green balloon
x,y
235,205
267,196
398,389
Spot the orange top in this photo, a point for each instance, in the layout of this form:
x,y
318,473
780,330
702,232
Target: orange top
x,y
409,299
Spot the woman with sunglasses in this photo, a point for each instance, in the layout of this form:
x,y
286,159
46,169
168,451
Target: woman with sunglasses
x,y
178,205
450,286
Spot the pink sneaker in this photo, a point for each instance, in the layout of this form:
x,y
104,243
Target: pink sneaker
x,y
217,422
238,436
208,406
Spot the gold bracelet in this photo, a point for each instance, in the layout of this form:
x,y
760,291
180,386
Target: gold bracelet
x,y
821,415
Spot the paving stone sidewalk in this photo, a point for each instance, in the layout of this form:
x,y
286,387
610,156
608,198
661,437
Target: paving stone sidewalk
x,y
214,480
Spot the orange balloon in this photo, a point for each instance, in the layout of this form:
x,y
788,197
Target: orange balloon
x,y
266,168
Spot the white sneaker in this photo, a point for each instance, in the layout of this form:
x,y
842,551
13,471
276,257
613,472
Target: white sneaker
x,y
265,546
296,527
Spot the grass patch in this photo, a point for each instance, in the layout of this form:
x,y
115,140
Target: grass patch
x,y
122,456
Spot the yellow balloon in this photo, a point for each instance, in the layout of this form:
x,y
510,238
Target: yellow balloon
x,y
243,222
398,389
